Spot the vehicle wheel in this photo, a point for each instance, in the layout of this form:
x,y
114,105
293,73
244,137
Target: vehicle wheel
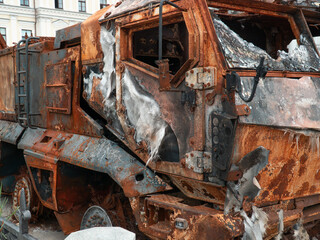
x,y
95,216
32,201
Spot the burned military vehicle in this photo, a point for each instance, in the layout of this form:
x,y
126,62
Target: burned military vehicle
x,y
192,115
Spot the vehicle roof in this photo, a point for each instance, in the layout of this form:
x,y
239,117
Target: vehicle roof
x,y
128,6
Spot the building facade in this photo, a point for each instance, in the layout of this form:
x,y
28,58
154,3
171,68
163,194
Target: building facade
x,y
19,18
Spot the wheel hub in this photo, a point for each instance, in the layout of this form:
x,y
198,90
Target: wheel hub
x,y
95,216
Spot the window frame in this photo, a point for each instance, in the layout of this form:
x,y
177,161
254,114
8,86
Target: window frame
x,y
5,33
242,72
57,4
23,35
104,4
126,39
24,3
82,5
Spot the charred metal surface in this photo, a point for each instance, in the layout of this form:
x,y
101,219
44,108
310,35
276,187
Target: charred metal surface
x,y
283,102
70,35
247,186
222,142
200,190
100,155
242,54
178,220
108,122
10,131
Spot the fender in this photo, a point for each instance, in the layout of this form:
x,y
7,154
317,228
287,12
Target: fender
x,y
98,154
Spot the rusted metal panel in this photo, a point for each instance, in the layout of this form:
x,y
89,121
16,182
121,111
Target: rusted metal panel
x,y
224,155
70,34
30,137
284,102
97,154
7,90
10,131
3,43
166,213
200,190
90,38
293,154
43,172
58,79
128,6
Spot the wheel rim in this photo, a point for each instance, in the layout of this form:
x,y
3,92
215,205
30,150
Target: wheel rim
x,y
95,216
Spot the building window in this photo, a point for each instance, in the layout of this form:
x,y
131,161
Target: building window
x,y
1,1
3,33
103,4
25,33
82,5
24,2
58,4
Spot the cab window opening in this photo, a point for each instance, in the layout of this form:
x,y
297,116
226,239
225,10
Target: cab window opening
x,y
246,37
175,45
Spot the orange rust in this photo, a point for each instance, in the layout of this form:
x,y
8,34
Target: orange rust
x,y
3,43
299,167
90,37
290,181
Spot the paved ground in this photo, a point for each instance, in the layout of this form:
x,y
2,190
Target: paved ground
x,y
47,228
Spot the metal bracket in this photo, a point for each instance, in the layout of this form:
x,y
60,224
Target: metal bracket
x,y
201,78
243,110
164,74
199,162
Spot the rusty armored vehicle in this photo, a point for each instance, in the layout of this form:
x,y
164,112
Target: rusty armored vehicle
x,y
190,119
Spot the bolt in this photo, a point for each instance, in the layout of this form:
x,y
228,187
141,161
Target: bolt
x,y
118,4
107,14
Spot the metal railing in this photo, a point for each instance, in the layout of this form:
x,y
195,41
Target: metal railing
x,y
10,231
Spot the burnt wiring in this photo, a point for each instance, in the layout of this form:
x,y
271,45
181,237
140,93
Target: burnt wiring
x,y
261,73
